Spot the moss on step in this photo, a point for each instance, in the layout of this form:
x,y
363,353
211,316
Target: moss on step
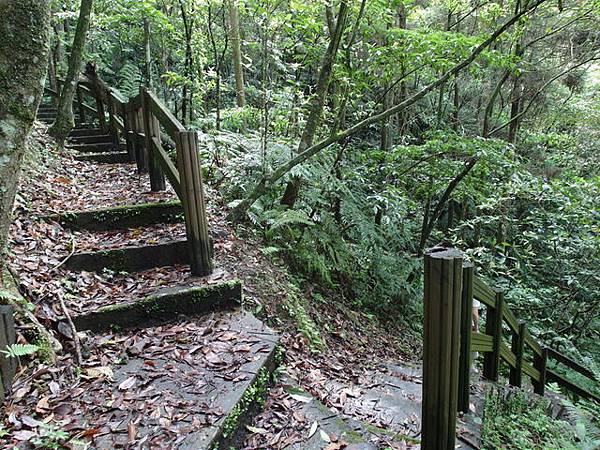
x,y
163,306
252,401
122,217
132,259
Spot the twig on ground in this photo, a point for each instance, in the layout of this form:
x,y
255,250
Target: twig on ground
x,y
76,341
68,256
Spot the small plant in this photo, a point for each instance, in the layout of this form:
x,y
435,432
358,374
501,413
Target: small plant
x,y
51,438
17,350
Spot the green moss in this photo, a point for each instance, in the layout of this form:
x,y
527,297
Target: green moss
x,y
392,434
254,395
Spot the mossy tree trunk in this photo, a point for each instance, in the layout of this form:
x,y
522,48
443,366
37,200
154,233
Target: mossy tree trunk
x,y
24,35
65,121
236,50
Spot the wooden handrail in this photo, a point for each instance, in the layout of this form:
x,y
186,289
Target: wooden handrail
x,y
140,121
447,320
172,126
571,364
492,346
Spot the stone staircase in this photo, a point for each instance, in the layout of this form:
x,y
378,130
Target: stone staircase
x,y
185,366
90,142
181,367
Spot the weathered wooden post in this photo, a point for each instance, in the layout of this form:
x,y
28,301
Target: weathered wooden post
x,y
517,346
112,123
152,133
101,114
441,342
8,366
493,327
141,155
192,199
539,362
80,104
466,326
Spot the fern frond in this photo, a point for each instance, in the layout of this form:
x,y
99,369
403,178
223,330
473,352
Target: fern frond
x,y
17,350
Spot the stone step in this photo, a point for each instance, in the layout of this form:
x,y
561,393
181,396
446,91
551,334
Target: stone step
x,y
131,259
164,306
105,158
99,147
82,131
189,385
90,139
122,217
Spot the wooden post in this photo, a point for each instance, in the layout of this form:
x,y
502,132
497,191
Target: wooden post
x,y
539,362
152,131
141,155
441,348
466,326
129,133
196,224
8,366
112,123
80,105
493,327
517,346
101,115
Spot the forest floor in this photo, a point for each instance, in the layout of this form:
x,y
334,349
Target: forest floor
x,y
358,354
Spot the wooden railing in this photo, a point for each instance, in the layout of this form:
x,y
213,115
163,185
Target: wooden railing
x,y
449,342
143,123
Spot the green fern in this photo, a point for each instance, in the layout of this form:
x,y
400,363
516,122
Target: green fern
x,y
17,350
129,77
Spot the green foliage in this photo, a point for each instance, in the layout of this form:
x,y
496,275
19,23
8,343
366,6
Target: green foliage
x,y
17,350
51,437
514,421
129,80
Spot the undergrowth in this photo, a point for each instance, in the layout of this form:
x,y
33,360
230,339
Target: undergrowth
x,y
515,421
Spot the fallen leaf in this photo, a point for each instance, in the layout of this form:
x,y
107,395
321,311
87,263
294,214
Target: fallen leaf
x,y
324,436
313,429
127,384
301,398
101,371
256,430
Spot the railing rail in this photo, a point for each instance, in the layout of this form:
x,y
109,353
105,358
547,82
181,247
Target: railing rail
x,y
523,355
139,122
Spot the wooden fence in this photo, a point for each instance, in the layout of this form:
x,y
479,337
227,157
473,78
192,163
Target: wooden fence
x,y
8,366
449,342
143,123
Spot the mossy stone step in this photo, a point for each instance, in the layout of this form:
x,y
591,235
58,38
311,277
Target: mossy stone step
x,y
131,259
166,305
85,131
89,139
122,217
105,158
99,147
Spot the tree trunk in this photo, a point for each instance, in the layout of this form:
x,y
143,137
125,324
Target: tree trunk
x,y
317,101
234,30
24,26
147,54
515,108
65,121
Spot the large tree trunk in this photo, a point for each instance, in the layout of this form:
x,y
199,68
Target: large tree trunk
x,y
24,27
65,121
236,50
317,101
